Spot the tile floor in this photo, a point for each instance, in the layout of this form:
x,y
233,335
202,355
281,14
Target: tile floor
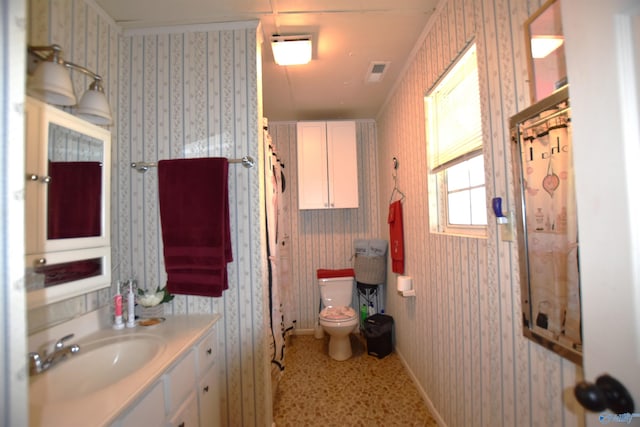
x,y
364,390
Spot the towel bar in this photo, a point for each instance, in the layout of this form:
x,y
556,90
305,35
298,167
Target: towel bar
x,y
142,167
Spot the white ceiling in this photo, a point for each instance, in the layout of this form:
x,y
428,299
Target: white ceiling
x,y
348,36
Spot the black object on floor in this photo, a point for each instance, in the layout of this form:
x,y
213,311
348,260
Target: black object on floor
x,y
378,332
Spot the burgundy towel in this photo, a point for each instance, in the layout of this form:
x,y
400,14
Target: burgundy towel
x,y
57,274
194,212
74,200
329,274
396,237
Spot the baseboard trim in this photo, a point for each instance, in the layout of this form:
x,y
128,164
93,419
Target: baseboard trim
x,y
424,395
303,331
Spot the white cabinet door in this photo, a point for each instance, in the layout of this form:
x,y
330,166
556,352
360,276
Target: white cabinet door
x,y
313,188
187,415
342,164
604,76
69,181
180,381
327,165
149,411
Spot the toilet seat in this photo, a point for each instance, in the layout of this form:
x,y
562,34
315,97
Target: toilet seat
x,y
338,314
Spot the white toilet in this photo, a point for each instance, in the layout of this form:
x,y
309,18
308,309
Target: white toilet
x,y
337,318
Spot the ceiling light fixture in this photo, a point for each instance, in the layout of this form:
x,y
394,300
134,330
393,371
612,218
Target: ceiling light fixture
x,y
291,49
51,83
542,46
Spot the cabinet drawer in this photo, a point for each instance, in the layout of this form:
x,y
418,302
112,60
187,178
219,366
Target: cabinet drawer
x,y
180,381
206,352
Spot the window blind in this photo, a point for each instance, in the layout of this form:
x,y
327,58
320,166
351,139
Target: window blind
x,y
454,112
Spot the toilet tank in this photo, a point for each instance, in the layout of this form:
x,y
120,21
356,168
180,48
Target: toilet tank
x,y
336,291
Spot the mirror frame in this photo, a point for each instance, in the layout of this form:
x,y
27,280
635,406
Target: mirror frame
x,y
561,344
48,115
559,68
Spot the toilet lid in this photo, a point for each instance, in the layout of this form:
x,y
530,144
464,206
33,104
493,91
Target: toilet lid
x,y
337,313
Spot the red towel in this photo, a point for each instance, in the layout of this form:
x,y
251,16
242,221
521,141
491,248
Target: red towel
x,y
396,237
329,274
74,200
194,211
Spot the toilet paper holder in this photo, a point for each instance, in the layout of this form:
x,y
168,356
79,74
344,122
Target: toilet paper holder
x,y
404,286
409,293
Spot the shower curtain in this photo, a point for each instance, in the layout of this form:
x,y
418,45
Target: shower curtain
x,y
278,242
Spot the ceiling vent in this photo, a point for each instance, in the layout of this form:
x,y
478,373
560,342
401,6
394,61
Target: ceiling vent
x,y
376,71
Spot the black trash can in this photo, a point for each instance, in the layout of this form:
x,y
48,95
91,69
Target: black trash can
x,y
378,332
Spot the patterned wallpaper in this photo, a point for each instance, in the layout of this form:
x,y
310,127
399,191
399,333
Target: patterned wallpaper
x,y
187,93
177,93
461,336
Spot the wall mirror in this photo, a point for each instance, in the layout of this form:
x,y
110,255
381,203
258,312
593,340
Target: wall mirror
x,y
545,51
74,193
547,225
67,237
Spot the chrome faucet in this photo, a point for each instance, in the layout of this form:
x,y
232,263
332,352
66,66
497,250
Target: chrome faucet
x,y
60,352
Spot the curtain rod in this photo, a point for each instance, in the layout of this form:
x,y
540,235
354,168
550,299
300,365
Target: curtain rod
x,y
142,167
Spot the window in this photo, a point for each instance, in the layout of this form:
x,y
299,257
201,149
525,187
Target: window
x,y
454,152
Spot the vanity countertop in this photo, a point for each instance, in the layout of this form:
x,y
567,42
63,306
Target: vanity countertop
x,y
102,407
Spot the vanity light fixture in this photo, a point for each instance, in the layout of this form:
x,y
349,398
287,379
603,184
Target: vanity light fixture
x,y
291,49
542,46
51,83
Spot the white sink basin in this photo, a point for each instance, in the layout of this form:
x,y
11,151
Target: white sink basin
x,y
99,364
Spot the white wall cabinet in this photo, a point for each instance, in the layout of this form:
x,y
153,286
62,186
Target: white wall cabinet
x,y
67,205
327,165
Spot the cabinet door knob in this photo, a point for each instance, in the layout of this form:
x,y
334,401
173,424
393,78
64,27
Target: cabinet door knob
x,y
35,177
205,389
606,393
181,424
40,261
209,350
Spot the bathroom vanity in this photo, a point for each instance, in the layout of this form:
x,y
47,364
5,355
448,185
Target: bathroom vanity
x,y
160,375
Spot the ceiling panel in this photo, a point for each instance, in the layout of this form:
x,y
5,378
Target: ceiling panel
x,y
347,35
